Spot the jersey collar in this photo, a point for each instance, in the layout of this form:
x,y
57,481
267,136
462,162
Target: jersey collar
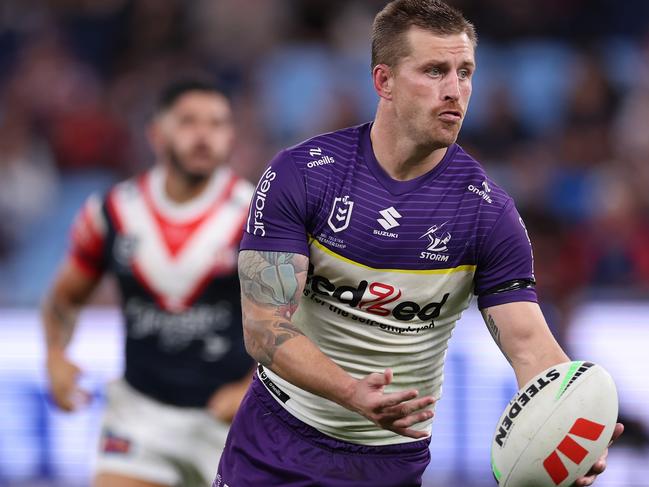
x,y
392,185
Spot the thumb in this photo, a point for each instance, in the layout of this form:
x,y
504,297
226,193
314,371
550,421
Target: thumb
x,y
387,373
617,432
378,379
73,372
76,369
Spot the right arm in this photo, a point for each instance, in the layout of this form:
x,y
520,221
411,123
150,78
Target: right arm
x,y
272,284
74,283
71,290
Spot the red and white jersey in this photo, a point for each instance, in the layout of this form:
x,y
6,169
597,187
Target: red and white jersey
x,y
176,267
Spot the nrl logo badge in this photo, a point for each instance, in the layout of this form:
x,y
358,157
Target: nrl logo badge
x,y
341,214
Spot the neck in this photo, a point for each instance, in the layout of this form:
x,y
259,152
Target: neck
x,y
181,187
402,157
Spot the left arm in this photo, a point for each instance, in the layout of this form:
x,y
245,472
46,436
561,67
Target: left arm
x,y
521,332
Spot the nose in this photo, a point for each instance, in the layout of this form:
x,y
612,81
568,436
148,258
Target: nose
x,y
450,89
202,132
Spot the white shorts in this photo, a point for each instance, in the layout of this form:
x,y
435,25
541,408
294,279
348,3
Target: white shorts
x,y
144,439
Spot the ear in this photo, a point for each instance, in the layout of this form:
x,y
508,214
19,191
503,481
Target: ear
x,y
383,76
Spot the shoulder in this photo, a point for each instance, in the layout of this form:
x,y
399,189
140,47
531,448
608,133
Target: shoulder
x,y
471,178
99,211
127,189
325,150
241,189
120,200
96,203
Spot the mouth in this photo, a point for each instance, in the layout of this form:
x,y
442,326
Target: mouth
x,y
452,116
201,152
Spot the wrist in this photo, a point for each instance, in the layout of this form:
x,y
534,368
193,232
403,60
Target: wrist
x,y
347,392
55,353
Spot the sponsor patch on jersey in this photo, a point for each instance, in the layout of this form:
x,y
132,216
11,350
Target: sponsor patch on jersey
x,y
388,221
113,443
377,298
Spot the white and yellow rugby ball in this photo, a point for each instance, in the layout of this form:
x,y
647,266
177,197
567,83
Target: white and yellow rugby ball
x,y
555,427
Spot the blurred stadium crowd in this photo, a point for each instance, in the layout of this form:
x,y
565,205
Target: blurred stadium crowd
x,y
560,114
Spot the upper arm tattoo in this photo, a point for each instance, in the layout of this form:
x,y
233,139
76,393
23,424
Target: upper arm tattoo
x,y
271,282
495,333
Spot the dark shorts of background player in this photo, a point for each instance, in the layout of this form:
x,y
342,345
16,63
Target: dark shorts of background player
x,y
269,447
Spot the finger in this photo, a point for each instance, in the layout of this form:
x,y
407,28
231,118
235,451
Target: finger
x,y
598,467
394,398
617,432
410,433
378,379
409,407
387,373
413,419
63,400
595,470
65,405
584,481
81,397
76,370
71,398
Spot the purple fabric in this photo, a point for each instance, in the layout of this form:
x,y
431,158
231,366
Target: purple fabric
x,y
457,194
277,209
506,254
268,447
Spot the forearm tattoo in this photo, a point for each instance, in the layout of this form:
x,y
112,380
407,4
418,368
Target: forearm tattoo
x,y
65,320
271,286
495,333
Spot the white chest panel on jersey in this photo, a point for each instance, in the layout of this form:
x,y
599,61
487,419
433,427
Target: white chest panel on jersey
x,y
369,319
209,249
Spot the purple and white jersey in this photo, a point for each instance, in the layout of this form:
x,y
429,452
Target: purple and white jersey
x,y
392,263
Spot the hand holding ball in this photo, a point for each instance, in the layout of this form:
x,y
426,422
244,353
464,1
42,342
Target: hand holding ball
x,y
555,427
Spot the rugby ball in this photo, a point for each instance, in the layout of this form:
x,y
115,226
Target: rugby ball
x,y
555,427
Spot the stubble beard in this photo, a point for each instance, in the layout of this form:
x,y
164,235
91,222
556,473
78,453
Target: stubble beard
x,y
436,137
445,134
192,178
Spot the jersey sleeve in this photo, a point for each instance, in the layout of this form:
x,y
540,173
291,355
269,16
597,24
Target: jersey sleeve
x,y
505,257
277,216
88,236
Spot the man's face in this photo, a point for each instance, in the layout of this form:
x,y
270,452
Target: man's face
x,y
196,133
431,86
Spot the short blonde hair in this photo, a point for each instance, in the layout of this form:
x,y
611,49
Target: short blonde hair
x,y
389,44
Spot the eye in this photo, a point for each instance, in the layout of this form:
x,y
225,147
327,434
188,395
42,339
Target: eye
x,y
434,71
186,120
464,74
220,122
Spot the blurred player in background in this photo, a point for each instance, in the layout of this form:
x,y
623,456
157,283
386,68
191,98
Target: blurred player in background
x,y
170,236
362,249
